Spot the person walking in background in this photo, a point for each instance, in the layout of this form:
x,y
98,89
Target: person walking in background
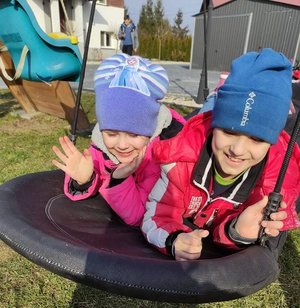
x,y
128,36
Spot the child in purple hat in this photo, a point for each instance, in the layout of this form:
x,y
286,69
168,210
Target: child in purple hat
x,y
218,183
130,119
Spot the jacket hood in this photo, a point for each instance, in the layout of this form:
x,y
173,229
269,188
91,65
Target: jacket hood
x,y
186,145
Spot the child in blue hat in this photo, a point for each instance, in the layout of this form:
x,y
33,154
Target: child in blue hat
x,y
217,184
119,164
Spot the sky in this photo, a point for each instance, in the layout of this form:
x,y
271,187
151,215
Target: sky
x,y
188,7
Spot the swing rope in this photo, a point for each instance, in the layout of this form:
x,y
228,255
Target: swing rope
x,y
68,23
275,197
72,134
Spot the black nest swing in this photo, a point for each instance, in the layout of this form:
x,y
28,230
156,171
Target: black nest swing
x,y
87,243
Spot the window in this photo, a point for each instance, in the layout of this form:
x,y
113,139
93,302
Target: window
x,y
103,2
106,39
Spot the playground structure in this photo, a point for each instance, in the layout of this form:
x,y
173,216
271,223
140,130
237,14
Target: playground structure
x,y
37,67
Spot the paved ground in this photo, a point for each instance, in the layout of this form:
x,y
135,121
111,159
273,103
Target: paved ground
x,y
184,83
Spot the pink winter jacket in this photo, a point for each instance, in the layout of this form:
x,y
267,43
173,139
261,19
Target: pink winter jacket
x,y
129,197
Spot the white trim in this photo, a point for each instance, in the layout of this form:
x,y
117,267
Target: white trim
x,y
104,36
248,33
101,2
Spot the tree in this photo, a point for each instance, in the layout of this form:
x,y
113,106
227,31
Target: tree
x,y
162,25
156,36
146,22
177,29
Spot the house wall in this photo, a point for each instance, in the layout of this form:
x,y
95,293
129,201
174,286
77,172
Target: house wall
x,y
246,25
108,18
37,8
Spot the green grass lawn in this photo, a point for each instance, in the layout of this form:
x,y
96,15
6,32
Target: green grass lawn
x,y
26,148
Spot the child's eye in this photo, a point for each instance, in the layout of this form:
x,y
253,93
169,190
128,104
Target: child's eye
x,y
132,135
110,133
228,132
255,139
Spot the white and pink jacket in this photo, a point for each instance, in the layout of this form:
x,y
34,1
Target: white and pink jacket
x,y
127,198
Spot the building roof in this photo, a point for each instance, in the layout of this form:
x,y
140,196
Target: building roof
x,y
217,3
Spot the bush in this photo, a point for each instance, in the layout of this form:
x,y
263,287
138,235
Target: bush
x,y
172,48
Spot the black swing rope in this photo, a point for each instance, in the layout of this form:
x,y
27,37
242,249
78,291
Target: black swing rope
x,y
72,134
275,197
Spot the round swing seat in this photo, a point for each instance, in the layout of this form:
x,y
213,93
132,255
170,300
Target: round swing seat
x,y
86,242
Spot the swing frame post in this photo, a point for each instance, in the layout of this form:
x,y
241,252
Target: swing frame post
x,y
73,135
203,89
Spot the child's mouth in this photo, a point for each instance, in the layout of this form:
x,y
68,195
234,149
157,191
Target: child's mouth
x,y
234,159
124,154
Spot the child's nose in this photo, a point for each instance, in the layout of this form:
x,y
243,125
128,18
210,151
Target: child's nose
x,y
239,145
123,143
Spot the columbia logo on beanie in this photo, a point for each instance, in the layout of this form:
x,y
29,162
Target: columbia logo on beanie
x,y
127,89
247,109
255,98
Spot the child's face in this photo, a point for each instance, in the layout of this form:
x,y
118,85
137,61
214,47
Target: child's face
x,y
235,153
125,146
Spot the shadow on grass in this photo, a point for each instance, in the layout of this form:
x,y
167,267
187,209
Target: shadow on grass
x,y
290,267
289,278
7,103
86,297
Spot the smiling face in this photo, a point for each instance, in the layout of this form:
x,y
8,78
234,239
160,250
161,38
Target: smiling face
x,y
124,146
235,153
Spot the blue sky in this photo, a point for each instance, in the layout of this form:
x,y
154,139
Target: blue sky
x,y
188,7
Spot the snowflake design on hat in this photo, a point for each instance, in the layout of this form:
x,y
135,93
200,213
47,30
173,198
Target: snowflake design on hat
x,y
133,72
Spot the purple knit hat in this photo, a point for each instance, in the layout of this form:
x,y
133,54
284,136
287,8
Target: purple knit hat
x,y
127,89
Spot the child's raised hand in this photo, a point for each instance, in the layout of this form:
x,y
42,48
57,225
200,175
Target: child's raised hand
x,y
250,220
188,246
79,166
124,170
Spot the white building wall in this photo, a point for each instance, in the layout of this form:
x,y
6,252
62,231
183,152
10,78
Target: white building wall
x,y
78,24
107,19
38,10
55,18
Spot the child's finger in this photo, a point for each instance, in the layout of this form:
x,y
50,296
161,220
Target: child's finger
x,y
281,215
59,154
59,165
200,233
277,224
67,145
283,205
87,154
272,232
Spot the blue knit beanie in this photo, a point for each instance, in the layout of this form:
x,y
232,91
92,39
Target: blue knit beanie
x,y
255,98
127,89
